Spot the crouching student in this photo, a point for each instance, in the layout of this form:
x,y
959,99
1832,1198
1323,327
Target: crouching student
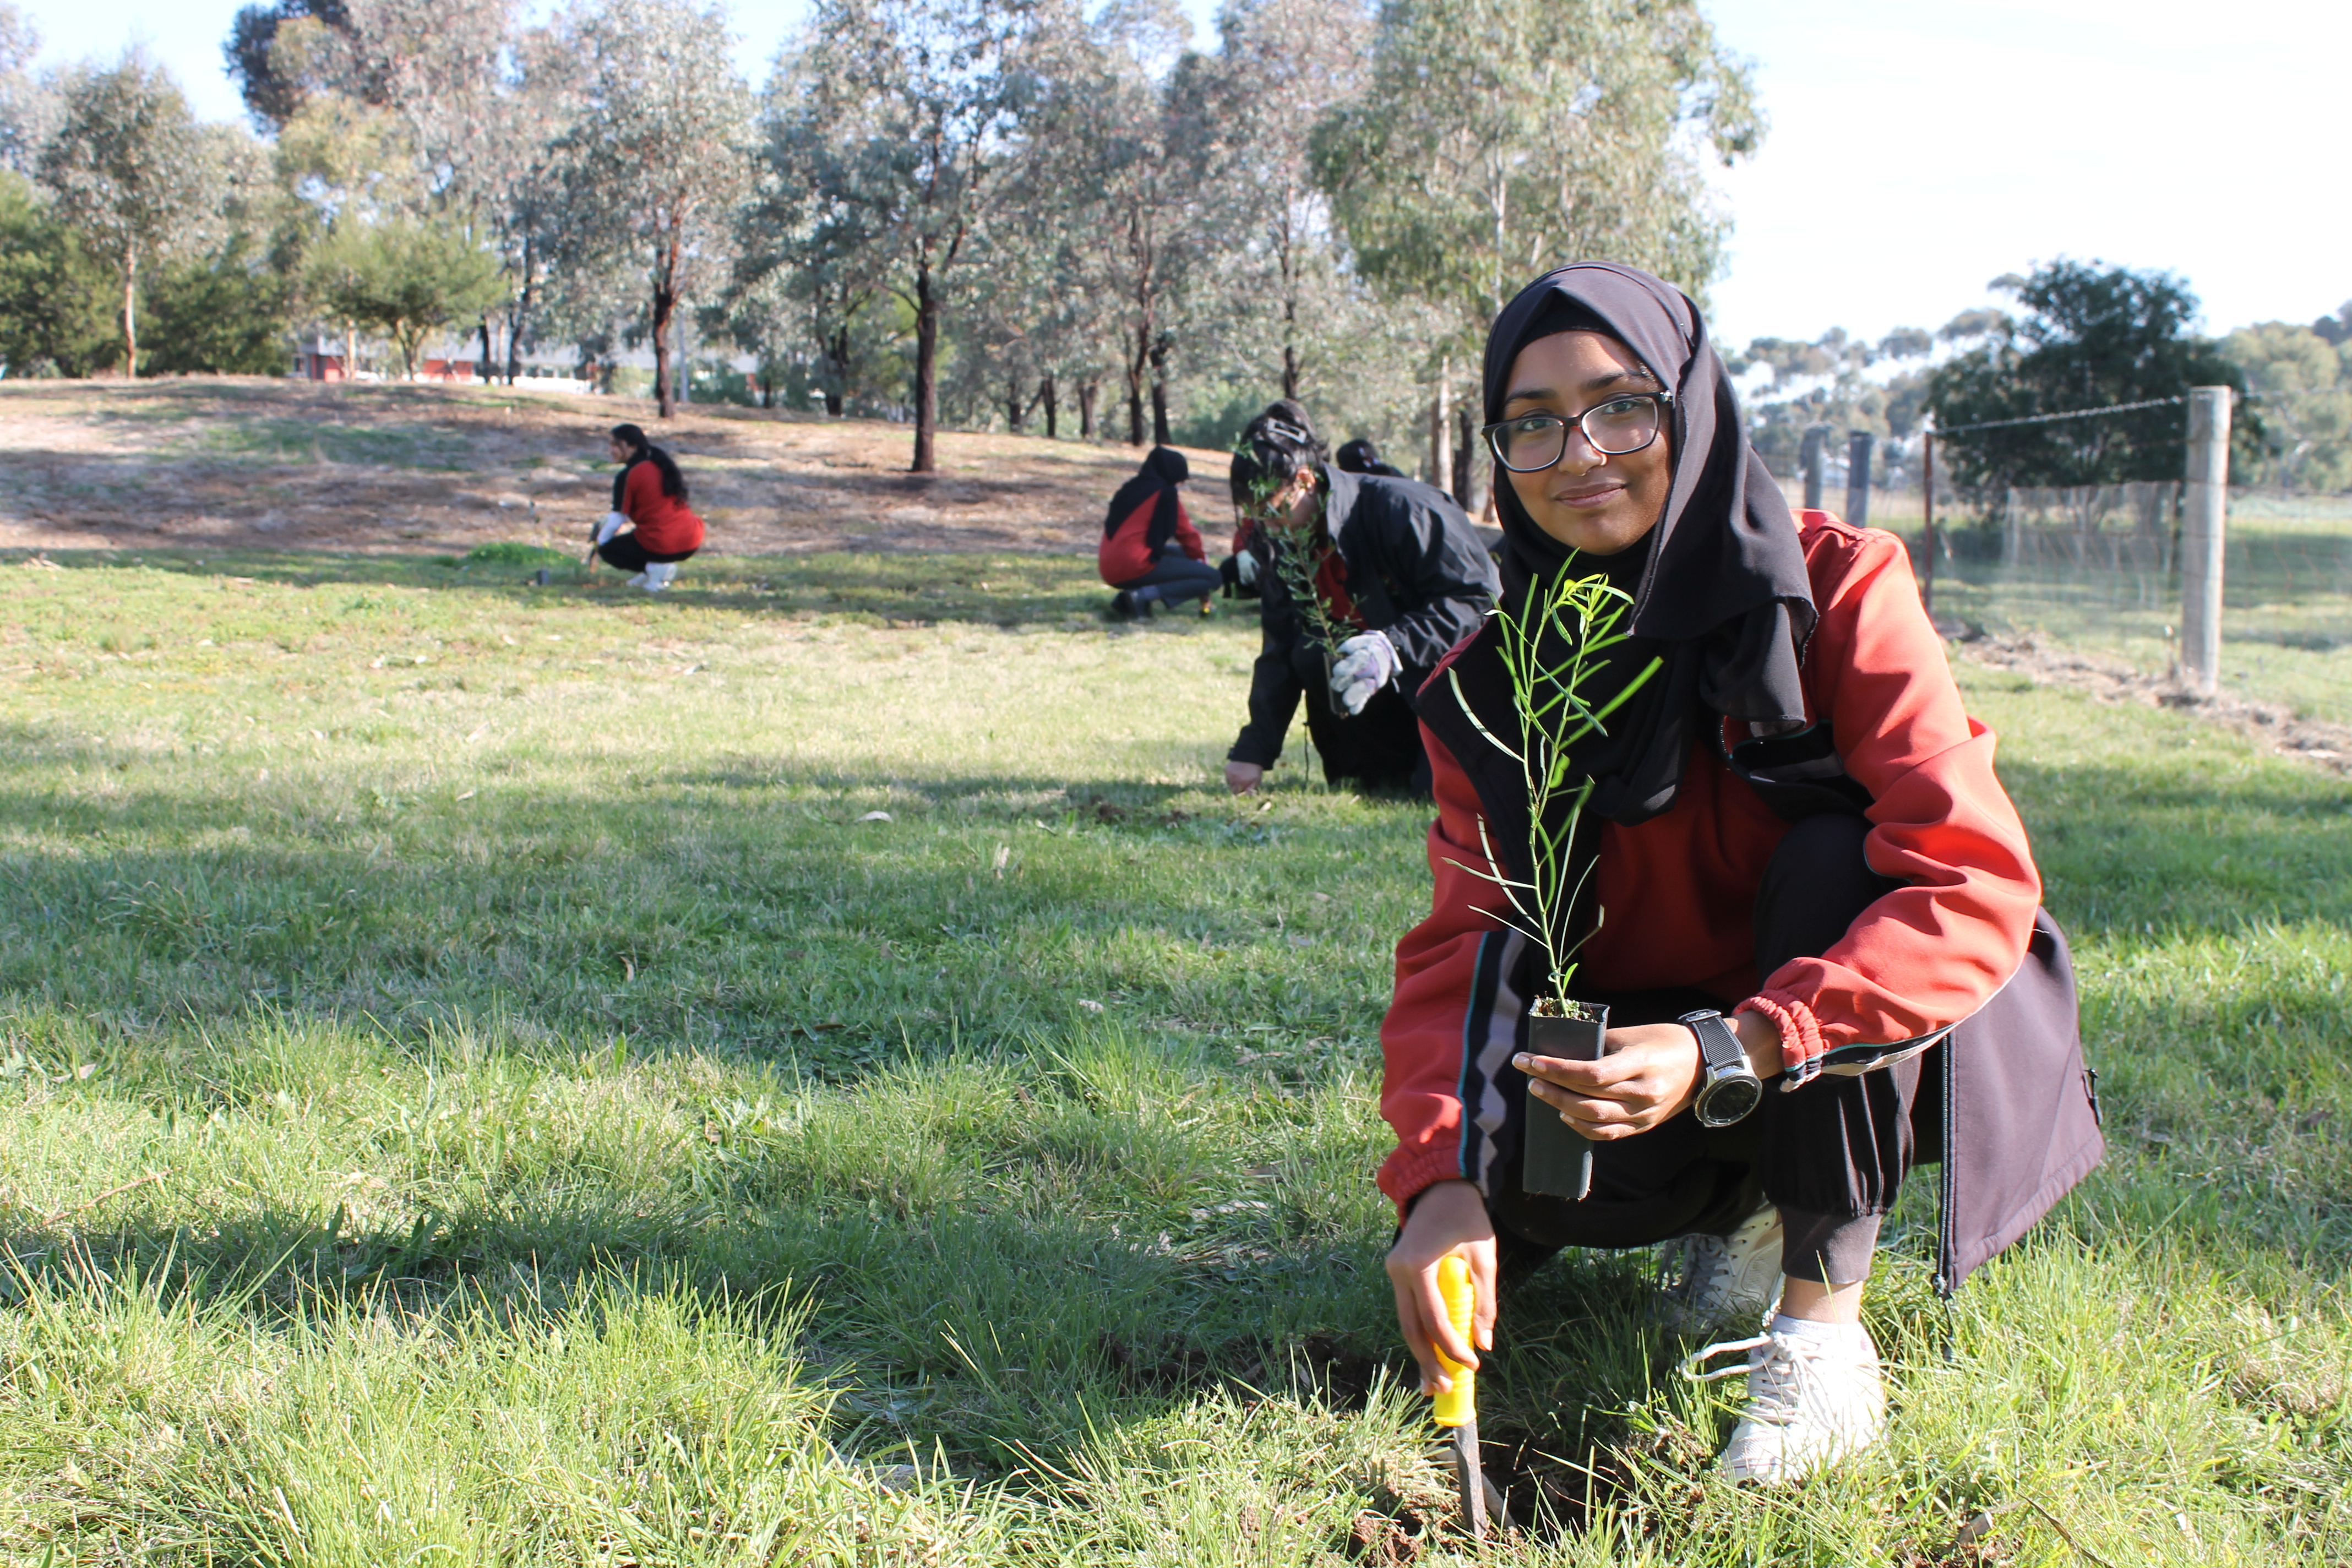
x,y
1812,909
1365,582
650,529
1150,551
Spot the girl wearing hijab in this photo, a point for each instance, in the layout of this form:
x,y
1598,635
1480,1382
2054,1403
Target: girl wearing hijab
x,y
649,493
1150,551
1821,953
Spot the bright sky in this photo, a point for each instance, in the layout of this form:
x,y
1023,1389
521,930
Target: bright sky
x,y
1917,150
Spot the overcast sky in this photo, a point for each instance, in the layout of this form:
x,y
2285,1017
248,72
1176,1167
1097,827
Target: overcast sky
x,y
1917,150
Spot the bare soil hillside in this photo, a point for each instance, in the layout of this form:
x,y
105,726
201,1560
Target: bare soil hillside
x,y
243,462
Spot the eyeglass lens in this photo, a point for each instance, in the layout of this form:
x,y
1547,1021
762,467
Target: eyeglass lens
x,y
1620,425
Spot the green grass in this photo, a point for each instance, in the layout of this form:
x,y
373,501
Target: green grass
x,y
581,1135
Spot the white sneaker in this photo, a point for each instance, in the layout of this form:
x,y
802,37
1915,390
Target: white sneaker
x,y
1727,1280
658,575
1810,1402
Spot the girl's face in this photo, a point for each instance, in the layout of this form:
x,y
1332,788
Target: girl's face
x,y
1589,500
620,453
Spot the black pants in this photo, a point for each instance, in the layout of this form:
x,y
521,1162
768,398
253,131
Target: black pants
x,y
1379,748
624,550
1173,579
1831,1155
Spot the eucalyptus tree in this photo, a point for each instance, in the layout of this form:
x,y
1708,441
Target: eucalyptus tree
x,y
132,175
1125,136
1279,67
1495,139
655,161
28,104
902,120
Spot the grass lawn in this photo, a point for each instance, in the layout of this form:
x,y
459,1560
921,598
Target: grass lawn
x,y
485,1082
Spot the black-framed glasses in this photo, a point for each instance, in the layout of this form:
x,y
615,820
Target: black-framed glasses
x,y
1534,442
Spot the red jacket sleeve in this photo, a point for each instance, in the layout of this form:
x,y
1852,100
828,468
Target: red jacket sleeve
x,y
1928,954
1187,536
642,493
1423,1037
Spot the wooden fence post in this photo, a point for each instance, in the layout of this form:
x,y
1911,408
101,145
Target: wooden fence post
x,y
2207,510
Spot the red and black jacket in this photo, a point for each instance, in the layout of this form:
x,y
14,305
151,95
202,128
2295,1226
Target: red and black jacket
x,y
1134,545
1678,889
666,528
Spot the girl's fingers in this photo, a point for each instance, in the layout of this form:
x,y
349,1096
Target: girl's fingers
x,y
1416,1336
1440,1325
1482,1281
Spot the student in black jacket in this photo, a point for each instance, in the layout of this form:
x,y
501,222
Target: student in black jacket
x,y
1365,581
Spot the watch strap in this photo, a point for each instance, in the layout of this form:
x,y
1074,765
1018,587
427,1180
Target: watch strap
x,y
1718,1046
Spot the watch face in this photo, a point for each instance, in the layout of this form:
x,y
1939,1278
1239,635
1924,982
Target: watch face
x,y
1728,1099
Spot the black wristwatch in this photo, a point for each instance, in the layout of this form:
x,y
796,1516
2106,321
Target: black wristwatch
x,y
1728,1088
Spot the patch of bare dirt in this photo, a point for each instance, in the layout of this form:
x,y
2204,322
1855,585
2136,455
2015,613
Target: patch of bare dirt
x,y
247,462
2275,728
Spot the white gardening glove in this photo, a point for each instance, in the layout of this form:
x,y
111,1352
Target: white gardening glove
x,y
1245,568
1365,664
609,526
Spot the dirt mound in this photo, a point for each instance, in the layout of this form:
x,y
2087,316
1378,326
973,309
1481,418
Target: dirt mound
x,y
289,465
2313,739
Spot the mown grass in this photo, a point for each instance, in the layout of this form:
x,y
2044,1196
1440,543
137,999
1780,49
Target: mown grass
x,y
581,1131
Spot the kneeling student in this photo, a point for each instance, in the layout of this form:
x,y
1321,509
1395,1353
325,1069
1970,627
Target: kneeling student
x,y
649,502
1150,551
1365,582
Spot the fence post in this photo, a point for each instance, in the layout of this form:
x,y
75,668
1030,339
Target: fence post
x,y
1927,529
1858,444
2208,508
1816,437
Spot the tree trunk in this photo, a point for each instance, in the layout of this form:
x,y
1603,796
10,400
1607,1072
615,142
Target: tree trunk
x,y
836,376
927,373
767,388
1160,391
665,304
351,350
1466,462
131,321
1053,411
1290,370
1086,410
483,371
1016,415
1440,428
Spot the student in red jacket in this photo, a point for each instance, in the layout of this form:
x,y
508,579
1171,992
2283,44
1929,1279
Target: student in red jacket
x,y
1150,551
649,498
1813,913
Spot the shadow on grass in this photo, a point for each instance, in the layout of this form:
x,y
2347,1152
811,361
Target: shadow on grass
x,y
998,1339
1001,590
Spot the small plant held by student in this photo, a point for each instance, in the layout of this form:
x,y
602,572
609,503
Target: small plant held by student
x,y
1552,647
1297,553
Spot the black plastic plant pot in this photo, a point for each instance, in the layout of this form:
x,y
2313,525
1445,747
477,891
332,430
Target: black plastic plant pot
x,y
1555,1159
1331,697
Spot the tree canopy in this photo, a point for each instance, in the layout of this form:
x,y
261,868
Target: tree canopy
x,y
2089,336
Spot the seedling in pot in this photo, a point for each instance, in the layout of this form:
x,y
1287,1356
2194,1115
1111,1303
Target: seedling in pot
x,y
1297,553
1552,649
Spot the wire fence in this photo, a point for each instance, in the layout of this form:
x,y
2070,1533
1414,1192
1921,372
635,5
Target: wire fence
x,y
2096,570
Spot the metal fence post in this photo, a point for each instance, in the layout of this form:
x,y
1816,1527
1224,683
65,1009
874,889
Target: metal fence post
x,y
1858,444
2207,505
1816,437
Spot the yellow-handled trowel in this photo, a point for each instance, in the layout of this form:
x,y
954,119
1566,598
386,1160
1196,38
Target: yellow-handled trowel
x,y
1457,1409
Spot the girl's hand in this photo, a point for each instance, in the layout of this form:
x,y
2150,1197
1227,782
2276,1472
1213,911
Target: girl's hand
x,y
1450,1219
1243,777
1649,1075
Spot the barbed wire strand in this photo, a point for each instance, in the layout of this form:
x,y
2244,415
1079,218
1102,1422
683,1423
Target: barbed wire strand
x,y
2069,414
